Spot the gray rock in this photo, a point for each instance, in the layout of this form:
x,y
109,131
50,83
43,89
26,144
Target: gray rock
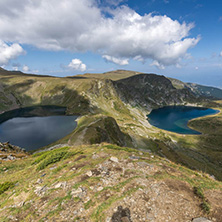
x,y
99,188
39,181
21,204
52,168
43,175
95,156
122,215
61,185
77,192
134,157
108,219
40,190
144,164
10,157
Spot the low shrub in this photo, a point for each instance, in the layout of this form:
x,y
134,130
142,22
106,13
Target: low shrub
x,y
5,186
53,158
205,206
43,155
198,192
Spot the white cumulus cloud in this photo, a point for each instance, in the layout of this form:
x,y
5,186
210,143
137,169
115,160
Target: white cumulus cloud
x,y
157,64
9,51
111,2
81,26
77,64
115,60
25,68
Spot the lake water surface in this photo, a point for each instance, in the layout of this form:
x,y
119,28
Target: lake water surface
x,y
35,127
175,118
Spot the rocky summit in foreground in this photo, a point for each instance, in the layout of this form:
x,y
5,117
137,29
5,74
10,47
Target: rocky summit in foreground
x,y
105,183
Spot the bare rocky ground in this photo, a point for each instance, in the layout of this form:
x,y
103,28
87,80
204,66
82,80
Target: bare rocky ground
x,y
10,152
106,183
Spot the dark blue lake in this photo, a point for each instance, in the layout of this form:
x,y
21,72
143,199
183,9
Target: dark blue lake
x,y
175,118
35,127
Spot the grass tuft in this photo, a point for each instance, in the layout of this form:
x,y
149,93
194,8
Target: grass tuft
x,y
5,186
198,192
205,206
115,147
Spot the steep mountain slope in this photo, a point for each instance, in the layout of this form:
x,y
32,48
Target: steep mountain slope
x,y
206,91
199,90
152,91
20,90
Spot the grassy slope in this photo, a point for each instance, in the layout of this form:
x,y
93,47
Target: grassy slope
x,y
54,186
79,95
202,152
113,75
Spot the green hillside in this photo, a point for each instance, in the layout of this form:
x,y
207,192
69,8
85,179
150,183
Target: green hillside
x,y
113,108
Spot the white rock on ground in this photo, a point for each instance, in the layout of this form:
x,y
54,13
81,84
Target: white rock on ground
x,y
89,173
114,159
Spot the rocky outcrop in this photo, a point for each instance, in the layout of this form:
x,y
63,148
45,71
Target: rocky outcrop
x,y
10,152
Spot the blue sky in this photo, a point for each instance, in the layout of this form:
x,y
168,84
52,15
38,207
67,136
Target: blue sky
x,y
176,38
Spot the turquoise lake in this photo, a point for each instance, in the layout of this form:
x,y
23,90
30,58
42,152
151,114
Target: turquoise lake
x,y
34,127
175,118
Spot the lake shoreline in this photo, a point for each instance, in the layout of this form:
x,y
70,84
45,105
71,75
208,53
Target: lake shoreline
x,y
175,119
36,127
